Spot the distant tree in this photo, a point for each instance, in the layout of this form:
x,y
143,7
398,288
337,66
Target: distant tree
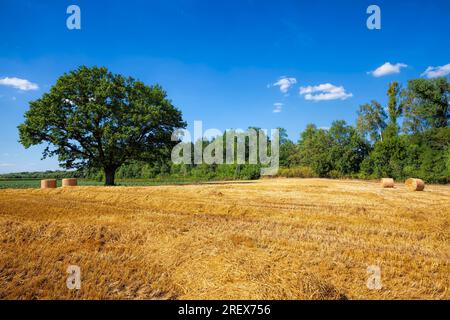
x,y
426,104
348,148
337,152
313,150
371,121
296,159
394,110
287,148
387,159
427,156
92,118
283,135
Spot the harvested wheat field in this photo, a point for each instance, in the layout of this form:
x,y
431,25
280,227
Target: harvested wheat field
x,y
267,239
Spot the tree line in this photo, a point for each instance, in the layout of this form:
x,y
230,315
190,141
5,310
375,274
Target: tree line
x,y
108,126
409,137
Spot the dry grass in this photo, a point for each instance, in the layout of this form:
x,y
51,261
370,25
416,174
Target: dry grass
x,y
269,239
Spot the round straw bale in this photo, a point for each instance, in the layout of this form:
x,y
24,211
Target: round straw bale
x,y
415,184
48,183
387,183
69,182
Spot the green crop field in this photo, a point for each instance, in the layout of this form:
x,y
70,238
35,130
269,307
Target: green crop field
x,y
34,183
7,183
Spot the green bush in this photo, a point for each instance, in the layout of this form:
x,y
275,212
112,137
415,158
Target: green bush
x,y
297,172
335,174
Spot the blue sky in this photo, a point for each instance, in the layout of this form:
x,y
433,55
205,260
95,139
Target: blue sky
x,y
221,61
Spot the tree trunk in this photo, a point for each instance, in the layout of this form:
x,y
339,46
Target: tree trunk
x,y
109,176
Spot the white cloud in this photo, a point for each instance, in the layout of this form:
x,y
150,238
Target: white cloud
x,y
278,107
6,165
21,84
387,69
434,72
324,92
285,83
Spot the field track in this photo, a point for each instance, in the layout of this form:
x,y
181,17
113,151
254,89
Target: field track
x,y
266,239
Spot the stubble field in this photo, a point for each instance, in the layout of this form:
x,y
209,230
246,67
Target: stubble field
x,y
267,239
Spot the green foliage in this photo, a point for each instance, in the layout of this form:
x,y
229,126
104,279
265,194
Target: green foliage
x,y
371,121
348,148
92,118
386,159
42,175
426,104
313,150
19,183
297,172
394,110
422,155
287,148
428,155
339,149
423,150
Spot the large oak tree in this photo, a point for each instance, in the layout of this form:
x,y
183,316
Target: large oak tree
x,y
92,118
